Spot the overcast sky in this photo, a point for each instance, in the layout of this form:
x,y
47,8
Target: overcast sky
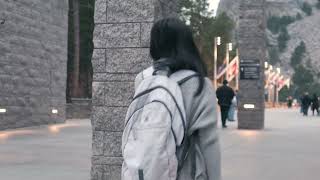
x,y
214,4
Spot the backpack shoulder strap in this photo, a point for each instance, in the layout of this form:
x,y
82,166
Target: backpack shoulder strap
x,y
180,77
188,78
183,76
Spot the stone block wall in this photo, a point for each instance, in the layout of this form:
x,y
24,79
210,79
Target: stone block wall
x,y
33,61
252,46
121,39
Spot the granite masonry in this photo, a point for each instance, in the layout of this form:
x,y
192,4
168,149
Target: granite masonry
x,y
33,62
121,40
252,51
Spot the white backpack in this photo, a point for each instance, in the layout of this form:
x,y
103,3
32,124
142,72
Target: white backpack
x,y
155,127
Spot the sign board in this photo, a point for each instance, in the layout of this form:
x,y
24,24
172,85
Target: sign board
x,y
250,69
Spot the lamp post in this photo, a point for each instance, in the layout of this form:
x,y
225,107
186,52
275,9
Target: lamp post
x,y
271,91
217,42
228,49
277,85
270,84
267,74
238,71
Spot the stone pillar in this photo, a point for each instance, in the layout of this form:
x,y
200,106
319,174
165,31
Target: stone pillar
x,y
121,40
252,51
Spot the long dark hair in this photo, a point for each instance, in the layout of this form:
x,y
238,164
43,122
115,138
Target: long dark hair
x,y
172,46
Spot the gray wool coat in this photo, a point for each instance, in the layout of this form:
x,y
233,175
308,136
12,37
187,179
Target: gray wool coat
x,y
203,160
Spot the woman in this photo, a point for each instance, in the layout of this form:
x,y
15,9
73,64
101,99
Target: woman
x,y
315,104
232,114
305,103
172,46
289,102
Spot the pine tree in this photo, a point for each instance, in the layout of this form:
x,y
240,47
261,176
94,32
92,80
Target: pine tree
x,y
205,27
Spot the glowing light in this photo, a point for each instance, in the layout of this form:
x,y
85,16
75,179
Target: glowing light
x,y
249,133
54,129
58,127
249,106
230,46
271,67
278,70
266,65
54,111
2,110
218,39
7,134
4,136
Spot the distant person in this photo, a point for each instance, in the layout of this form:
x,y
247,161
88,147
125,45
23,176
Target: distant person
x,y
295,103
225,95
300,102
232,114
237,95
305,103
289,102
315,104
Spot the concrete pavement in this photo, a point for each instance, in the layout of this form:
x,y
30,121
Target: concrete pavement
x,y
288,149
56,152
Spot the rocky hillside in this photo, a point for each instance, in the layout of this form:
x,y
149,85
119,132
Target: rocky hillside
x,y
302,26
308,31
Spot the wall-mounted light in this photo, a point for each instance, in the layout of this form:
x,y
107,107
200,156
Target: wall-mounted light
x,y
3,110
278,70
249,106
266,65
54,111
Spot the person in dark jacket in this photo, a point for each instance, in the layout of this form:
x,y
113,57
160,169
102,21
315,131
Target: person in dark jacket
x,y
225,95
300,101
289,102
305,103
315,104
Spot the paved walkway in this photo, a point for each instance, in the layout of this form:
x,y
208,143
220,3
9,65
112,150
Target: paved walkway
x,y
289,149
57,152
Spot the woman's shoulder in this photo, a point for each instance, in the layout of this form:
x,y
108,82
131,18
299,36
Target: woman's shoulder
x,y
191,86
142,75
